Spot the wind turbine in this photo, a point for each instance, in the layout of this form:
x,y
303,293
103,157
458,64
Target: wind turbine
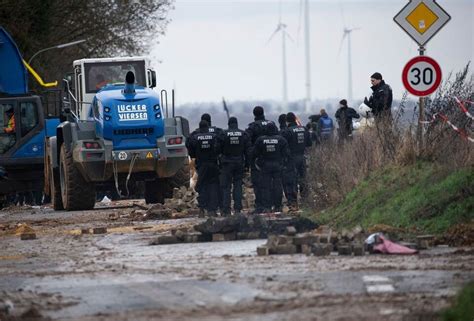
x,y
281,27
347,32
304,6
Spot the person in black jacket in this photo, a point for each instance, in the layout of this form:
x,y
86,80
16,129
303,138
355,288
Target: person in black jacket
x,y
270,154
254,131
288,175
344,116
212,129
234,145
217,131
299,139
381,100
282,122
203,146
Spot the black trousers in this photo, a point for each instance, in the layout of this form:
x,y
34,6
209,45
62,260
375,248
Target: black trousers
x,y
289,183
208,185
271,181
256,178
231,176
300,167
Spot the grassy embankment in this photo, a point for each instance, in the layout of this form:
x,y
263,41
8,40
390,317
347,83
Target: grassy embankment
x,y
422,197
463,309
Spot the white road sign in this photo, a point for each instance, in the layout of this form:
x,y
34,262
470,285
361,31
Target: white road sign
x,y
422,76
422,19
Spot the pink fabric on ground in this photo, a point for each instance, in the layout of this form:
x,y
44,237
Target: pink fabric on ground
x,y
389,247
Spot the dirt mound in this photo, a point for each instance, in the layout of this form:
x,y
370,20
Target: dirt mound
x,y
460,235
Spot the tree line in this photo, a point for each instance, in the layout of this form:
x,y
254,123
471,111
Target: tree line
x,y
111,28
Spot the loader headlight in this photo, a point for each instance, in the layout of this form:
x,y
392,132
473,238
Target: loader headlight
x,y
107,117
107,109
156,107
158,115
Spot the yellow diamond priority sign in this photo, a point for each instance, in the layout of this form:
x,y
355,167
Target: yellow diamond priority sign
x,y
422,19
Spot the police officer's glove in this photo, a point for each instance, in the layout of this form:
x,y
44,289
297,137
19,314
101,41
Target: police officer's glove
x,y
366,101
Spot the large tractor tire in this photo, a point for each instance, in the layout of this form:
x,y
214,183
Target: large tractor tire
x,y
76,193
55,190
157,190
154,191
181,178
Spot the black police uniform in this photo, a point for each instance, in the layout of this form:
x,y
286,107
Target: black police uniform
x,y
381,101
289,174
298,140
270,154
203,146
234,147
255,130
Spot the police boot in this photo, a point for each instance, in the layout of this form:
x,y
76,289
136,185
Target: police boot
x,y
202,213
212,213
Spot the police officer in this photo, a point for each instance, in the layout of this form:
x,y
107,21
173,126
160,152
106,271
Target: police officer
x,y
270,154
217,131
234,145
381,99
299,140
282,122
203,146
255,130
212,129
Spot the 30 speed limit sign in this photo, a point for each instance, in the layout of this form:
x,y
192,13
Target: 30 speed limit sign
x,y
421,76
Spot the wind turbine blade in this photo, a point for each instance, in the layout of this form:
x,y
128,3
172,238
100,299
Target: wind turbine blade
x,y
289,36
340,46
273,34
341,10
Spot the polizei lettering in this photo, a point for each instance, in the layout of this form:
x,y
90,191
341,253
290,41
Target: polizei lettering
x,y
270,141
205,137
132,112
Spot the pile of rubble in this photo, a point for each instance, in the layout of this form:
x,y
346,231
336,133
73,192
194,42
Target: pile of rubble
x,y
319,242
237,227
182,204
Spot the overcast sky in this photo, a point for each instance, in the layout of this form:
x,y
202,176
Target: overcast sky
x,y
216,48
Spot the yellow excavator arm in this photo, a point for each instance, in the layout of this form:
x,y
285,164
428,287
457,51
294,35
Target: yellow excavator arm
x,y
38,78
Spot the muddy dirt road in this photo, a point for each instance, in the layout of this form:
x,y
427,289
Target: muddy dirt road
x,y
64,275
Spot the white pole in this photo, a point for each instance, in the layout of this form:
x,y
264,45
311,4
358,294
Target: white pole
x,y
307,56
349,65
285,86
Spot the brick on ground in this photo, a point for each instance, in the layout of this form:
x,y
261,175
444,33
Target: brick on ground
x,y
344,249
290,230
358,249
285,249
28,236
319,249
263,251
165,239
305,238
99,230
219,237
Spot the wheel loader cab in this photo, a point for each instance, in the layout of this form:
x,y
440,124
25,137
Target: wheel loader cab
x,y
92,75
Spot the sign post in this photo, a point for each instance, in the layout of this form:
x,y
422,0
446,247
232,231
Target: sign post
x,y
421,20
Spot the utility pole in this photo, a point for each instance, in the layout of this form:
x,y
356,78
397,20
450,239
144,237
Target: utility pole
x,y
421,115
307,57
349,64
285,84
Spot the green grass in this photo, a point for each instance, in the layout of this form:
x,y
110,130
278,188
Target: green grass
x,y
422,196
463,309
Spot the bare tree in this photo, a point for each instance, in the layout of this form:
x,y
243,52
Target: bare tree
x,y
111,27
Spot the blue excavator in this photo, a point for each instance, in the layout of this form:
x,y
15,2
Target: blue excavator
x,y
25,120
